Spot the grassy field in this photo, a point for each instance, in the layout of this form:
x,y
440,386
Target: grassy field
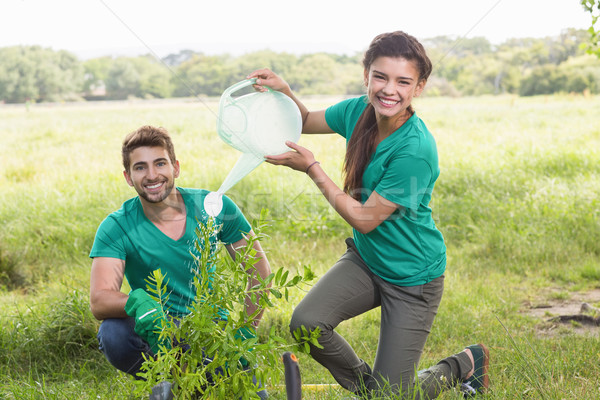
x,y
518,202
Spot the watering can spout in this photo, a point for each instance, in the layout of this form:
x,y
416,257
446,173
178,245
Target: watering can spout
x,y
213,202
244,165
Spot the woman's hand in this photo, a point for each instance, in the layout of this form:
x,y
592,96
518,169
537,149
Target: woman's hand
x,y
312,121
266,77
362,217
299,158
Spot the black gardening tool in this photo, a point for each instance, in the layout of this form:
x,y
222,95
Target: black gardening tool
x,y
293,383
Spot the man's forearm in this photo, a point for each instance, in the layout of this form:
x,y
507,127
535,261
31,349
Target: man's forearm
x,y
108,304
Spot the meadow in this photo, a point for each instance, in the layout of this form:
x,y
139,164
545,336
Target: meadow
x,y
518,202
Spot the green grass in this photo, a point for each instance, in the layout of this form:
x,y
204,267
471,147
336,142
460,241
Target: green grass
x,y
517,202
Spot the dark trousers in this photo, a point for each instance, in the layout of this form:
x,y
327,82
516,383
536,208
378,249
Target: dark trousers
x,y
125,350
121,346
349,289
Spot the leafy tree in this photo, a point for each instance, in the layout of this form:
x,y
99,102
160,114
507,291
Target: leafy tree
x,y
541,80
218,352
509,74
439,86
593,7
446,68
155,78
473,46
123,79
16,76
95,72
446,46
142,77
462,66
350,78
38,74
320,74
478,75
174,60
527,52
202,74
566,45
582,74
281,63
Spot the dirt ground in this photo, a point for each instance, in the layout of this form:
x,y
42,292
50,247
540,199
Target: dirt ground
x,y
547,309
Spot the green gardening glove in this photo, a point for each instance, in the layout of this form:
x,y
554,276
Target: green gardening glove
x,y
245,333
149,318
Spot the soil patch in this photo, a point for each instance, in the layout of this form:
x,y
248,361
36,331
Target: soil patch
x,y
578,313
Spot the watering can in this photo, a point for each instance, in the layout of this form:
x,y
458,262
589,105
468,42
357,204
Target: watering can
x,y
257,124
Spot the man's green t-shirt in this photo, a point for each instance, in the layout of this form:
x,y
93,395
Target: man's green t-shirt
x,y
406,249
127,234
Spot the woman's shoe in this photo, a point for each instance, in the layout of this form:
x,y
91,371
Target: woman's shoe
x,y
479,381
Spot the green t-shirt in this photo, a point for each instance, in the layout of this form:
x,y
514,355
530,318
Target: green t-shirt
x,y
406,249
127,234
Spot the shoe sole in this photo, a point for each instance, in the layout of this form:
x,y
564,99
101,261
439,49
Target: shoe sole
x,y
486,365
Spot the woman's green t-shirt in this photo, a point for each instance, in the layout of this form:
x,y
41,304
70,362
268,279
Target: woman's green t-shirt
x,y
406,249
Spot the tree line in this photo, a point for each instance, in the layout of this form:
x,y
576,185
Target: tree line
x,y
462,67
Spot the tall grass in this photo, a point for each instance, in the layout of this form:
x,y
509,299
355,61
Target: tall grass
x,y
517,202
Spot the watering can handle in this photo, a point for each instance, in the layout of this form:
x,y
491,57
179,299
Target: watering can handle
x,y
240,85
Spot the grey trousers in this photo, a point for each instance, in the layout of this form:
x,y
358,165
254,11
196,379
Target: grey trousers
x,y
349,289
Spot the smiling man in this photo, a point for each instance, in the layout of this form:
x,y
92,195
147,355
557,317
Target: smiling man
x,y
155,230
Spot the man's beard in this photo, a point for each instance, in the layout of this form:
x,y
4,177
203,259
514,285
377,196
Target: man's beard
x,y
151,198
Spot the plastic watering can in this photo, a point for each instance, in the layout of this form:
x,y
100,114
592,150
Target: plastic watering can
x,y
257,124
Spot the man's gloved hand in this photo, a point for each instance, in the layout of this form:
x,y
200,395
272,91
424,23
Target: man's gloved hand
x,y
245,333
149,318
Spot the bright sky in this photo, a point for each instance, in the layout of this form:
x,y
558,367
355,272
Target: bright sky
x,y
91,28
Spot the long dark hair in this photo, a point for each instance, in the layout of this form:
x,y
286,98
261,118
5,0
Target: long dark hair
x,y
362,142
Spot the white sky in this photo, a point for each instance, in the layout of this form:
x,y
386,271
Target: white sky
x,y
91,28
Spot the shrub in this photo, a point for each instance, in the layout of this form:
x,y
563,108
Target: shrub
x,y
219,355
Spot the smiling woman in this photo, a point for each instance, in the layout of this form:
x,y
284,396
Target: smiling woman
x,y
392,83
396,259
